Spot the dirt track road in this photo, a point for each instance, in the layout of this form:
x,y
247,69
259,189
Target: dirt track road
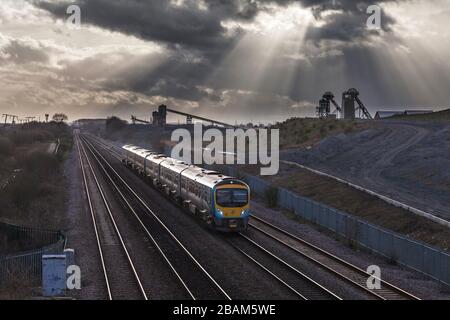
x,y
409,162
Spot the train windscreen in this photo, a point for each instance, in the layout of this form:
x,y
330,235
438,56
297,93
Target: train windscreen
x,y
232,197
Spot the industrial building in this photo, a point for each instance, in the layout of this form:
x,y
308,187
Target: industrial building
x,y
389,114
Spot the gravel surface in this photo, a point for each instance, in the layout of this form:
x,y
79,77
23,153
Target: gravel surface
x,y
240,279
411,281
295,279
81,235
158,281
407,161
213,251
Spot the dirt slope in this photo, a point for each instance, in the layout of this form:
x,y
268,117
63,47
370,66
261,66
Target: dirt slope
x,y
407,161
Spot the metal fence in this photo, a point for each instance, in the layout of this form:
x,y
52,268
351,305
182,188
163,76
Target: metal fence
x,y
27,266
30,236
413,254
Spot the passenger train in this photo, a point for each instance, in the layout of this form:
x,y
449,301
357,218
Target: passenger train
x,y
222,202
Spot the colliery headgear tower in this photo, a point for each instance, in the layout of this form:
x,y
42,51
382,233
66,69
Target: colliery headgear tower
x,y
351,103
348,105
350,99
324,108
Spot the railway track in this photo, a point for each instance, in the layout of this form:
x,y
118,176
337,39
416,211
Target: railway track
x,y
120,275
347,272
294,280
194,278
289,276
300,285
113,150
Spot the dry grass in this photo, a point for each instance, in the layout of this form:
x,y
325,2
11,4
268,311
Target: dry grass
x,y
34,196
362,205
303,132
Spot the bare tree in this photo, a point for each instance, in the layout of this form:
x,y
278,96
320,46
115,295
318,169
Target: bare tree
x,y
60,117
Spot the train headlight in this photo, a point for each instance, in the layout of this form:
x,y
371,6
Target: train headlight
x,y
220,212
244,212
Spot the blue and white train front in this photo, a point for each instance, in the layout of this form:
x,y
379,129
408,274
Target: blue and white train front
x,y
231,205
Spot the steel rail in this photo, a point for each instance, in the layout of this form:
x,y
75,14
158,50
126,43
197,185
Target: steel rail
x,y
141,223
101,145
340,262
116,228
315,284
105,146
94,222
313,247
162,224
267,270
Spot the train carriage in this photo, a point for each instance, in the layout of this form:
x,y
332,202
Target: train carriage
x,y
153,168
170,175
220,201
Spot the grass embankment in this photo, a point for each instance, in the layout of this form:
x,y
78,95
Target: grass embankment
x,y
33,187
354,202
303,132
364,206
340,196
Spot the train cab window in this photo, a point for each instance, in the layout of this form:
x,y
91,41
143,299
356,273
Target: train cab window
x,y
232,197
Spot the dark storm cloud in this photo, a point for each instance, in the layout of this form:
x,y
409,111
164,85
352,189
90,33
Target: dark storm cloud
x,y
174,75
192,26
349,24
198,32
156,20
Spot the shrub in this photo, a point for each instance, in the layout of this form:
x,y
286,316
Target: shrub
x,y
29,136
39,163
22,191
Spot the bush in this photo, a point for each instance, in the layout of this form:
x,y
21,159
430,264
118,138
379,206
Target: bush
x,y
272,197
22,191
29,136
39,163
